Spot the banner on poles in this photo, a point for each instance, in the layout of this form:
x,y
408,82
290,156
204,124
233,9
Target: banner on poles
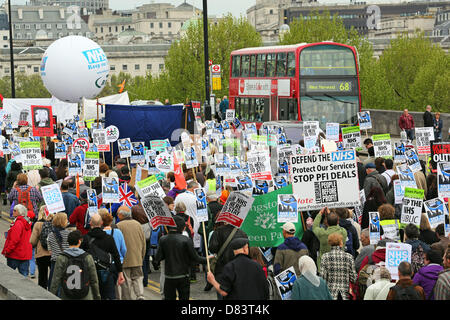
x,y
325,179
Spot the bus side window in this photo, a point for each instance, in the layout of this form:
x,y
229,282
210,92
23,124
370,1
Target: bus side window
x,y
237,107
290,64
270,65
252,65
260,65
281,64
282,109
292,109
245,66
236,66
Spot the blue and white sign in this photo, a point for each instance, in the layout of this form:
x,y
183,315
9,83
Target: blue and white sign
x,y
287,208
364,120
53,198
202,210
436,211
395,254
332,131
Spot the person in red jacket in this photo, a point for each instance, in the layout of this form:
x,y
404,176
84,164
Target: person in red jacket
x,y
78,214
18,250
406,123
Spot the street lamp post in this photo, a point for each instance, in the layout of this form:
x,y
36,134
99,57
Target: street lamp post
x,y
11,53
207,106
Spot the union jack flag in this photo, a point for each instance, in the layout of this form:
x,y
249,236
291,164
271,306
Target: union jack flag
x,y
127,197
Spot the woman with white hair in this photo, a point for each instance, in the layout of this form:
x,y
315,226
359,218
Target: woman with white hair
x,y
18,250
309,286
380,286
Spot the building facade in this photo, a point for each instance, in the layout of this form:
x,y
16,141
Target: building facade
x,y
90,5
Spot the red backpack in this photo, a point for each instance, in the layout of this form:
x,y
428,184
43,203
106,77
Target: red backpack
x,y
24,198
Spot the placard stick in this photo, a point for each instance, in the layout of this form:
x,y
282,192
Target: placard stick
x,y
206,246
303,221
112,156
128,162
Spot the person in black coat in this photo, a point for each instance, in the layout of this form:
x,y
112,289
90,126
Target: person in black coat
x,y
428,117
426,234
374,200
242,278
3,179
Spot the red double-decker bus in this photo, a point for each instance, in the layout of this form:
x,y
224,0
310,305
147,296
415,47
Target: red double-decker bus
x,y
301,82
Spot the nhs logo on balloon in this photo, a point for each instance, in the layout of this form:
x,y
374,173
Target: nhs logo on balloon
x,y
343,155
95,58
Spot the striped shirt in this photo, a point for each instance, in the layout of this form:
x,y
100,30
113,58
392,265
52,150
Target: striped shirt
x,y
442,286
54,245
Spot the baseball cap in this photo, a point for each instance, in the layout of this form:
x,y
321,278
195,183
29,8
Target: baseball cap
x,y
289,227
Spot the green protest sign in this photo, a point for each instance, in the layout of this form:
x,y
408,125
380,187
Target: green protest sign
x,y
31,155
91,166
414,193
347,130
261,224
159,145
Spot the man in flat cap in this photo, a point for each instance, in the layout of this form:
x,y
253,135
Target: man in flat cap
x,y
242,278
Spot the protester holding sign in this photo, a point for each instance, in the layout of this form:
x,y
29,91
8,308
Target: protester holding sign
x,y
26,195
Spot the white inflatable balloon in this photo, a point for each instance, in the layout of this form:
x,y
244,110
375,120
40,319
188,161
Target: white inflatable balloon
x,y
74,67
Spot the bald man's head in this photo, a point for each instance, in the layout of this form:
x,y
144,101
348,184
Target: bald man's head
x,y
96,221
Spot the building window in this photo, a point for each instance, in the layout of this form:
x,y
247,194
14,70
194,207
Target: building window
x,y
124,67
27,27
5,37
112,68
152,25
169,24
101,29
49,26
161,66
35,69
149,67
136,67
59,26
29,37
38,26
160,25
6,70
117,29
22,69
50,35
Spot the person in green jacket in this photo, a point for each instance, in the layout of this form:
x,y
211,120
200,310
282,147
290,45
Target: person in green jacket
x,y
309,286
74,239
331,223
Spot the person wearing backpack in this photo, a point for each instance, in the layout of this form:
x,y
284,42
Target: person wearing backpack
x,y
25,195
374,179
352,241
75,275
102,247
38,240
419,248
78,216
405,288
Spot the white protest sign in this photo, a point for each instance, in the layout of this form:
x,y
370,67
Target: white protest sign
x,y
157,212
124,146
399,192
75,164
423,137
413,160
364,120
285,282
443,179
374,227
92,201
287,208
150,186
325,179
436,211
396,253
99,138
53,198
406,176
259,165
190,158
332,131
137,152
244,183
412,206
236,208
164,162
202,210
60,150
110,190
382,145
112,134
31,155
351,137
230,115
310,128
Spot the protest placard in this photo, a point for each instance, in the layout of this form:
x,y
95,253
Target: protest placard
x,y
259,165
287,208
164,162
280,181
92,201
396,253
399,191
285,282
16,155
91,166
124,146
159,145
244,183
81,143
110,190
351,137
112,134
412,160
83,133
412,206
42,120
406,176
157,212
150,186
310,128
364,120
31,155
262,187
53,198
332,131
382,145
190,158
358,210
99,138
440,152
374,227
436,211
261,223
230,115
399,150
137,152
235,208
443,179
325,179
202,210
423,137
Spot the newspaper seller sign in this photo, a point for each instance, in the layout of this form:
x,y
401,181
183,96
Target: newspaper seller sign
x,y
325,179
